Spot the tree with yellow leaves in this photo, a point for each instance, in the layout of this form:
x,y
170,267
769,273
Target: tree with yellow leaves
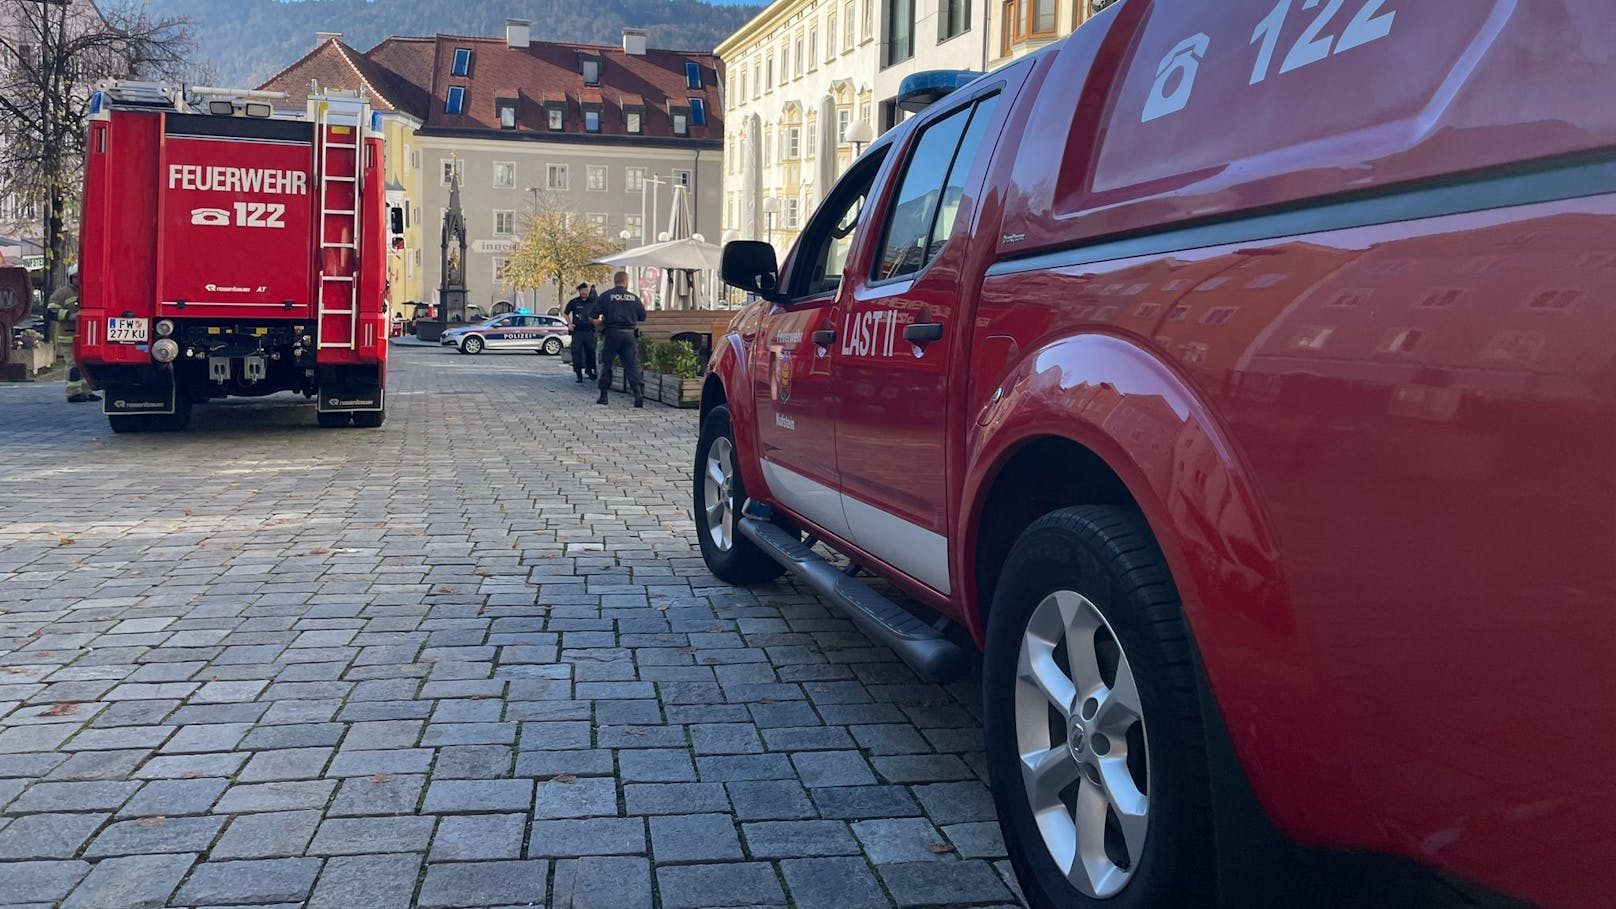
x,y
557,244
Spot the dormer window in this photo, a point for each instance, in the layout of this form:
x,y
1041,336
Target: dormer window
x,y
507,108
462,61
456,103
693,75
681,124
634,122
633,113
555,114
590,67
698,112
591,121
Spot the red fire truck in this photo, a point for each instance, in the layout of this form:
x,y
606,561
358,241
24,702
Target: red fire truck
x,y
228,250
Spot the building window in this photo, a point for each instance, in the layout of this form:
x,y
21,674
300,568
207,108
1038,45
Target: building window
x,y
504,223
555,176
499,269
556,118
954,19
757,80
596,176
634,179
462,62
849,18
1218,315
507,113
768,74
844,119
591,121
597,220
1440,299
698,112
793,143
869,19
692,75
900,30
457,100
793,212
591,70
681,124
796,71
504,174
682,178
452,168
1042,17
1553,300
635,225
634,120
813,49
830,36
812,148
1313,338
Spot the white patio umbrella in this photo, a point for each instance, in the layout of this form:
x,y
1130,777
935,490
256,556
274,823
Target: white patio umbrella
x,y
688,253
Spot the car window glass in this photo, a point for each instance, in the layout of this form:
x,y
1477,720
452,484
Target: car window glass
x,y
927,204
829,238
954,186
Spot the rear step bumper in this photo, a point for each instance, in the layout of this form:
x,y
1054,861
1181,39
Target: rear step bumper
x,y
923,647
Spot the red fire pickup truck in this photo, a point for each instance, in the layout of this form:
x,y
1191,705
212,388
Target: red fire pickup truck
x,y
1241,378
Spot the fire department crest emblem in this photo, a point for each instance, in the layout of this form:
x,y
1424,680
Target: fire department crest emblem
x,y
782,377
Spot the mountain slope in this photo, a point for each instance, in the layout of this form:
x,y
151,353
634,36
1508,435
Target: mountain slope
x,y
247,41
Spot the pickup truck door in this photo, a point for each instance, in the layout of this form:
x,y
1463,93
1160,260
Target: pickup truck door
x,y
899,335
790,364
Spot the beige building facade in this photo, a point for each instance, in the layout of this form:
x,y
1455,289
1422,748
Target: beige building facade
x,y
798,76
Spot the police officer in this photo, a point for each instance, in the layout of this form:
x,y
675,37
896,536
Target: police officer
x,y
64,310
578,311
618,312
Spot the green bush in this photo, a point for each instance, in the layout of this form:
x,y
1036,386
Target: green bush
x,y
646,346
675,358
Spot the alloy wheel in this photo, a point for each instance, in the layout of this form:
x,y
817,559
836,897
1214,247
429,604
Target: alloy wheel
x,y
1080,736
717,493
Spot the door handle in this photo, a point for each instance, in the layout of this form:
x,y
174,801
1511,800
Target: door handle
x,y
824,337
923,332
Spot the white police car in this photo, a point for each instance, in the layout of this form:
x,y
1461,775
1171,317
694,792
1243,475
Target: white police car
x,y
513,331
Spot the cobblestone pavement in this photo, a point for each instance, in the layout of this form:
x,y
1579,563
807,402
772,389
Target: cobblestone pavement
x,y
469,659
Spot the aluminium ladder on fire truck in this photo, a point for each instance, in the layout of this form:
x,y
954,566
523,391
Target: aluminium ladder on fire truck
x,y
340,149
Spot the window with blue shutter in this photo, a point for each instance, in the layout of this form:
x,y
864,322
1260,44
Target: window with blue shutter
x,y
693,75
457,100
462,61
698,112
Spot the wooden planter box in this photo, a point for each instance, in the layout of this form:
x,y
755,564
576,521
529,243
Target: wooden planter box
x,y
670,390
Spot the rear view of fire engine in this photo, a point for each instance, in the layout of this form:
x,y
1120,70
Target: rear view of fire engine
x,y
230,251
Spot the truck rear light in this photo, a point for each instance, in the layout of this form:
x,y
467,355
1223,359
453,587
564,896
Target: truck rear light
x,y
165,327
166,350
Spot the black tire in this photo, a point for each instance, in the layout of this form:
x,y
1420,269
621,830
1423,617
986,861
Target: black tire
x,y
552,346
369,419
742,562
1108,556
472,345
123,423
333,420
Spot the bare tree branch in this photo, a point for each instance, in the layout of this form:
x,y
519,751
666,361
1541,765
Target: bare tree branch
x,y
51,54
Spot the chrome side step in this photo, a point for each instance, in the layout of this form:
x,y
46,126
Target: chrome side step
x,y
920,645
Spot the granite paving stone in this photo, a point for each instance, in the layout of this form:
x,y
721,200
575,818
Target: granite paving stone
x,y
496,674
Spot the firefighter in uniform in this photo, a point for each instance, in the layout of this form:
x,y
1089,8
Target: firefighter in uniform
x,y
618,312
64,310
578,311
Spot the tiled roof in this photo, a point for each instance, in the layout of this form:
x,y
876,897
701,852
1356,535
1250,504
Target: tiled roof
x,y
414,75
549,71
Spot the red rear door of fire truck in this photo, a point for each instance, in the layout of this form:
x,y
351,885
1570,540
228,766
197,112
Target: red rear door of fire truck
x,y
236,216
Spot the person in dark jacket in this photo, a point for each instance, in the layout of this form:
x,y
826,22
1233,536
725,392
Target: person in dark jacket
x,y
578,311
618,314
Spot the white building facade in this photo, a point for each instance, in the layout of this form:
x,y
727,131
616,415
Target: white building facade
x,y
797,77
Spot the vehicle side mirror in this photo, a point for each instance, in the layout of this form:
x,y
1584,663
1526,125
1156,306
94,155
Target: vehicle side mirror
x,y
751,266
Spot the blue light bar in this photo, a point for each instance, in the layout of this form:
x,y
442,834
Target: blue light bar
x,y
922,90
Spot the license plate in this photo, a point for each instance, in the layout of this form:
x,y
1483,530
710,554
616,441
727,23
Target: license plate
x,y
126,331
